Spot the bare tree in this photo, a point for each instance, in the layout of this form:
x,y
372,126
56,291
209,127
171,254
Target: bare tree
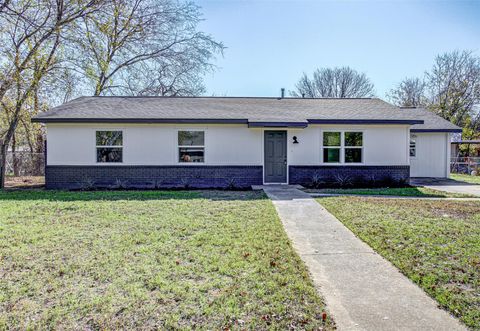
x,y
411,92
343,82
3,4
50,50
155,42
28,25
30,38
162,78
454,86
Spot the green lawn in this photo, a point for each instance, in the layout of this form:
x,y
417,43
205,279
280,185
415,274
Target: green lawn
x,y
466,178
401,191
150,260
435,243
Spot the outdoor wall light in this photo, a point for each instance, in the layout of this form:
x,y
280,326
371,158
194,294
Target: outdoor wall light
x,y
295,141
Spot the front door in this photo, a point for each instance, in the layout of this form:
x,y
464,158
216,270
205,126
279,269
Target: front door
x,y
275,167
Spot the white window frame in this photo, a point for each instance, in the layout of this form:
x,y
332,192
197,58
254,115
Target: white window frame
x,y
353,147
342,147
337,147
413,138
109,146
177,154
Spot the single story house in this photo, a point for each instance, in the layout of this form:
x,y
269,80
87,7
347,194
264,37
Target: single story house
x,y
153,142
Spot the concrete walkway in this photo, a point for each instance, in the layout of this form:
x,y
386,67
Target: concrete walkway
x,y
362,290
447,185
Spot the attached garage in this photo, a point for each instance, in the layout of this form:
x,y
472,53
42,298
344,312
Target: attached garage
x,y
429,154
430,145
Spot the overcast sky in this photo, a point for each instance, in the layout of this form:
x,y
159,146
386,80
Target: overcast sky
x,y
271,43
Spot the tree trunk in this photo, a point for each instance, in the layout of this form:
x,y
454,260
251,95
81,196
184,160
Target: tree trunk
x,y
15,156
39,156
3,162
6,141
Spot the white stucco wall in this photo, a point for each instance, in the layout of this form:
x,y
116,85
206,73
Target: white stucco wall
x,y
150,144
383,145
153,144
432,156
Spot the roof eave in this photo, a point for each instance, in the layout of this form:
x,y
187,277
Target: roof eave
x,y
225,121
364,121
140,120
277,124
437,130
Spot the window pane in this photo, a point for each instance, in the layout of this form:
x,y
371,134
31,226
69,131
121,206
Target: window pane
x,y
191,154
191,138
353,139
353,155
109,138
412,152
331,155
113,154
331,139
413,145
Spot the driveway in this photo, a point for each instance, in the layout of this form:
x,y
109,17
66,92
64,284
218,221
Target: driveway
x,y
363,291
447,185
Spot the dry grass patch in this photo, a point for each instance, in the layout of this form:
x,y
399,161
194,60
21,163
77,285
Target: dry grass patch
x,y
393,191
435,243
150,260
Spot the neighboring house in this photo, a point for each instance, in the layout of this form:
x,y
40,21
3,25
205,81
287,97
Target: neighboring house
x,y
229,141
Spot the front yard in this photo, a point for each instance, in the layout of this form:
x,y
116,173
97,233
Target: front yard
x,y
466,178
394,191
435,243
150,260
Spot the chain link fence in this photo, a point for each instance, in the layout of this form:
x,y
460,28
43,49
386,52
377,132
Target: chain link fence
x,y
25,164
464,165
24,169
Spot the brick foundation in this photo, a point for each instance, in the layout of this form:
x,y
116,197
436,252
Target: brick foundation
x,y
151,177
358,175
239,177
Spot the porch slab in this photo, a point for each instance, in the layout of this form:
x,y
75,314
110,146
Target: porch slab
x,y
278,186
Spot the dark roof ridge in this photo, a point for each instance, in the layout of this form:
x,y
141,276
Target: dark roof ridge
x,y
215,97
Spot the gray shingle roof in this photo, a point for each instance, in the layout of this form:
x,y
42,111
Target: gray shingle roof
x,y
254,111
432,122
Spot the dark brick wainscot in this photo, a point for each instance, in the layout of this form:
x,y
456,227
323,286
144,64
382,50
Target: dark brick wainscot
x,y
152,177
334,176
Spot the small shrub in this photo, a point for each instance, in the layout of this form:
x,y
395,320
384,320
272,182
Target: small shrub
x,y
316,180
343,180
87,184
389,181
372,180
185,183
120,184
158,184
231,183
402,182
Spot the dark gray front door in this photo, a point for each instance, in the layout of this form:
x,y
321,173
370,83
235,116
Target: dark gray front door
x,y
275,157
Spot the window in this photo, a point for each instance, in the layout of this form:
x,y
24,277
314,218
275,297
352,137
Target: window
x,y
413,145
353,147
109,146
331,147
191,146
350,143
